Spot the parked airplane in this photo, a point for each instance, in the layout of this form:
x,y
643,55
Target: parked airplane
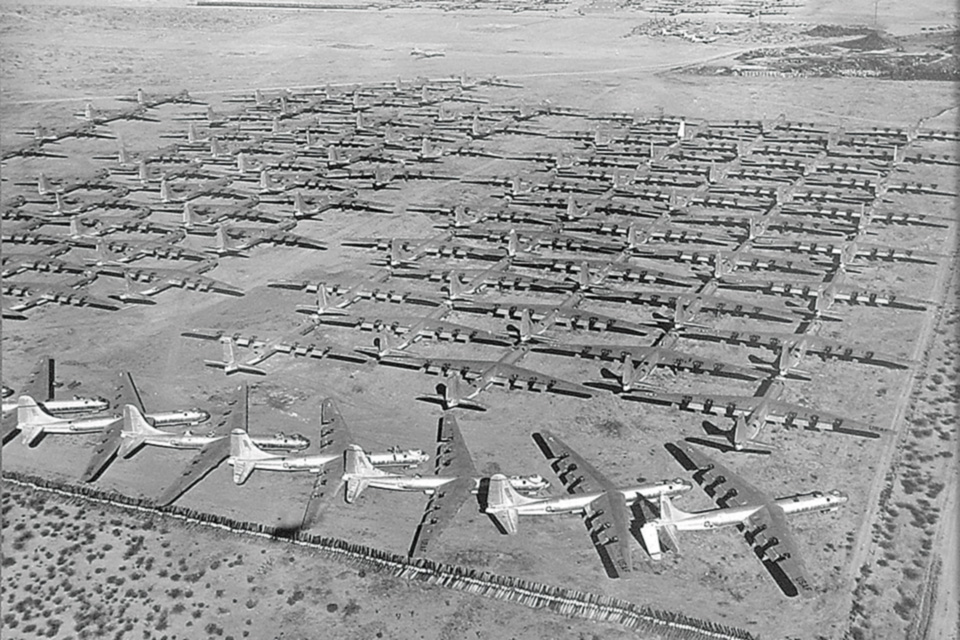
x,y
454,480
814,344
112,438
595,272
296,344
761,519
482,374
414,328
566,313
160,279
426,53
604,505
69,292
638,362
233,240
751,414
216,451
825,294
33,422
41,387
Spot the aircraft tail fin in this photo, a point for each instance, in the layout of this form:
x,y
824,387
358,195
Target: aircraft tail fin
x,y
59,207
192,137
105,253
189,218
123,157
143,173
266,181
502,502
32,419
245,455
527,326
650,533
166,194
453,395
216,149
134,431
628,373
230,364
513,243
669,514
357,471
75,230
457,290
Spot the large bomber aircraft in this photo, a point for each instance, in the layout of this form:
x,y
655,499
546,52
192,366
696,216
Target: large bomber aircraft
x,y
638,361
454,480
752,413
824,294
69,292
41,387
567,313
34,422
112,438
211,454
605,506
760,518
806,336
413,328
160,279
297,343
482,374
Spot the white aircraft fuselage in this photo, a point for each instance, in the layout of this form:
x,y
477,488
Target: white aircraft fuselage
x,y
578,503
313,463
816,501
66,407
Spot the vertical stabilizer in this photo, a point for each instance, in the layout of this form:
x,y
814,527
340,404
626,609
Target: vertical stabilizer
x,y
135,430
32,420
357,472
502,502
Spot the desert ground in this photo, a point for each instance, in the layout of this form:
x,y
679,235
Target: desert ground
x,y
885,565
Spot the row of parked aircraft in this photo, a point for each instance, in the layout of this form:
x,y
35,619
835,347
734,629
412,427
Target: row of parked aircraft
x,y
610,511
363,101
763,220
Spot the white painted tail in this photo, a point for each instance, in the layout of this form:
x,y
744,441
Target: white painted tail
x,y
135,430
502,502
358,472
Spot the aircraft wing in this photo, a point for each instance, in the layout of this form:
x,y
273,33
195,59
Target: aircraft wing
x,y
512,377
211,455
333,438
452,459
854,295
446,330
576,474
608,521
766,530
106,448
129,394
815,345
40,387
730,406
606,352
608,518
790,415
441,509
206,460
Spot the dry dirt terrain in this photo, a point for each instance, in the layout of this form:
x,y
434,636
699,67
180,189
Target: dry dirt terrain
x,y
885,565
